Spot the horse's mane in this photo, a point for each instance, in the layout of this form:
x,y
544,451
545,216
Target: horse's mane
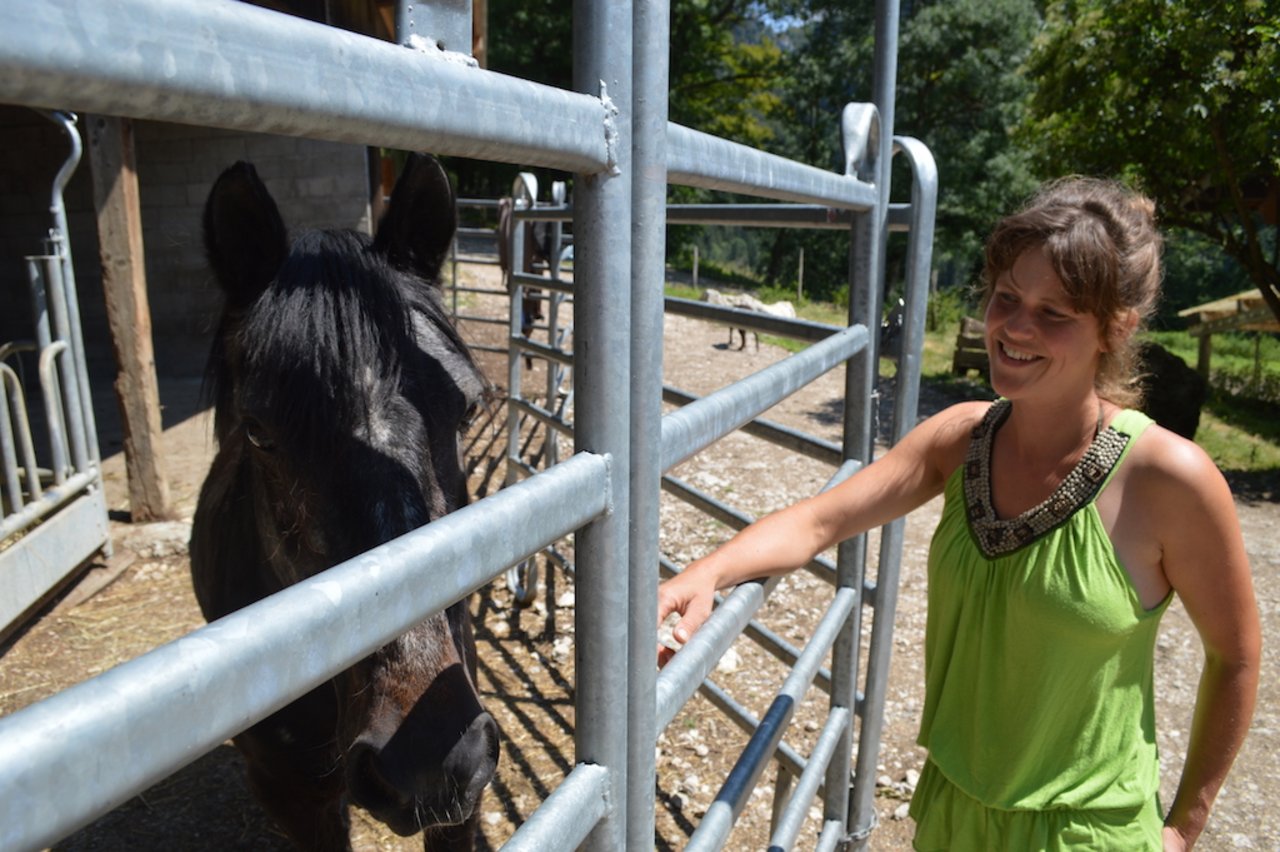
x,y
337,321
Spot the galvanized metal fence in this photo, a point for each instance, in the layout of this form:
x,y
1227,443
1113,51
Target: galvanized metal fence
x,y
234,66
53,514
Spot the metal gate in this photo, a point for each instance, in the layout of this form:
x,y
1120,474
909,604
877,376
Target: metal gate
x,y
230,65
54,513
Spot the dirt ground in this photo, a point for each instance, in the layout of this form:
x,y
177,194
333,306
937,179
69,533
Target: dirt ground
x,y
141,598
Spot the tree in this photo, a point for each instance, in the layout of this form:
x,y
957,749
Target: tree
x,y
1181,98
961,92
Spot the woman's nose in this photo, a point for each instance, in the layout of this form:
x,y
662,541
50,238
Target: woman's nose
x,y
1018,321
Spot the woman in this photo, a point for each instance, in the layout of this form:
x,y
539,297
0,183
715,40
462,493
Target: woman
x,y
1069,522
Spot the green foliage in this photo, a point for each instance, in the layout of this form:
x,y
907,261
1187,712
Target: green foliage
x,y
1181,98
960,91
1195,271
1240,437
947,306
723,66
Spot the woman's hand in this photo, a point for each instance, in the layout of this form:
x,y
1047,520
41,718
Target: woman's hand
x,y
1174,841
692,594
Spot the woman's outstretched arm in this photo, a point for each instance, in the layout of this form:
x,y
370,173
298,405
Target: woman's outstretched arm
x,y
906,477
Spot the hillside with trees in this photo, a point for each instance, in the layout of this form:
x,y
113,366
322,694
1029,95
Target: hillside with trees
x,y
1180,99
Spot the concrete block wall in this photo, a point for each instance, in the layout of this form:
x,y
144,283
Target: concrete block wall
x,y
315,184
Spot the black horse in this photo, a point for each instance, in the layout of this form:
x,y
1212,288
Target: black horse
x,y
340,386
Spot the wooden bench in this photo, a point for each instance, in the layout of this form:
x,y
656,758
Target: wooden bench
x,y
971,348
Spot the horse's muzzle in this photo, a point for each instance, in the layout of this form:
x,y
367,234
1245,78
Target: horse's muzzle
x,y
410,792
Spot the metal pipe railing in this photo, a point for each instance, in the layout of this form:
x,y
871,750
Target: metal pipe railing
x,y
702,160
175,693
702,423
236,66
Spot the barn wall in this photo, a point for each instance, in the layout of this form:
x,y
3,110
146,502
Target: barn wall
x,y
321,184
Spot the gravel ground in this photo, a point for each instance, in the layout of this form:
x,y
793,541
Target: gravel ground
x,y
527,657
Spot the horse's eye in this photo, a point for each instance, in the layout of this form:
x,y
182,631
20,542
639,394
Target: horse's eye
x,y
256,434
468,418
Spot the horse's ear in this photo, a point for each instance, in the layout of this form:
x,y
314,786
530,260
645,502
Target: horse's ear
x,y
244,236
418,227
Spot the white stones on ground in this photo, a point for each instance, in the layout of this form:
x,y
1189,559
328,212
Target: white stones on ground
x,y
730,662
562,648
567,601
902,811
160,540
500,628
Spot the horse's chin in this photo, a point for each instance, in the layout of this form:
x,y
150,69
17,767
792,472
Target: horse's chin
x,y
408,821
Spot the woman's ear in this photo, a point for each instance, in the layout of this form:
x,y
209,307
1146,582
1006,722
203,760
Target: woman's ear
x,y
1120,330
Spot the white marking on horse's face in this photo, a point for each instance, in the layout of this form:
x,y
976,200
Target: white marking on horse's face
x,y
380,430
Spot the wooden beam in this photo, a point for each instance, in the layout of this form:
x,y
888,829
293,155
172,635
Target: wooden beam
x,y
124,286
1257,319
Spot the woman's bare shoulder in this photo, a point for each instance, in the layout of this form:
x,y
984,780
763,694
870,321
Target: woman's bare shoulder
x,y
955,423
1166,468
946,435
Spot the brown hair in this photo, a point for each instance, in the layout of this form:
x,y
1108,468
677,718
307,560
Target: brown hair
x,y
1101,239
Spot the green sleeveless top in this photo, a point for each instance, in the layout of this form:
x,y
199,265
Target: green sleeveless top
x,y
1038,652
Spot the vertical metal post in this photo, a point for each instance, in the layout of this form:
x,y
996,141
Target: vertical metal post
x,y
862,139
68,376
602,374
446,22
906,398
648,244
884,83
515,376
67,121
555,370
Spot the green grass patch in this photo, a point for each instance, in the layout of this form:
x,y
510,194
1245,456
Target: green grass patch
x,y
1246,366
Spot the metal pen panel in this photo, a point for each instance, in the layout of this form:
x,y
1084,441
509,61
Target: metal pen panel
x,y
701,423
715,826
221,63
567,815
172,692
700,159
796,329
817,216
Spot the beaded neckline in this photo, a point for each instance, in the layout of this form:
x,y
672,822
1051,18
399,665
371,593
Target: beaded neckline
x,y
1001,536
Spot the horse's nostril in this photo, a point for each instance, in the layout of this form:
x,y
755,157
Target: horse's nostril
x,y
472,760
367,783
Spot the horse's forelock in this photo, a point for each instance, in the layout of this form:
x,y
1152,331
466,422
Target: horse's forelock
x,y
331,327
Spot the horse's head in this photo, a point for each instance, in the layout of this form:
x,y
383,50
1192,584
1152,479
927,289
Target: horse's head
x,y
340,388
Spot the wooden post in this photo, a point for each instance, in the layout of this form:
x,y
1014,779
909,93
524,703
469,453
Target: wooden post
x,y
480,31
800,278
124,286
1202,357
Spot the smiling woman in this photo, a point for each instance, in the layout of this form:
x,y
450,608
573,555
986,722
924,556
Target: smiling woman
x,y
1061,543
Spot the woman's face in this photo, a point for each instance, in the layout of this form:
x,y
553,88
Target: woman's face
x,y
1037,343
